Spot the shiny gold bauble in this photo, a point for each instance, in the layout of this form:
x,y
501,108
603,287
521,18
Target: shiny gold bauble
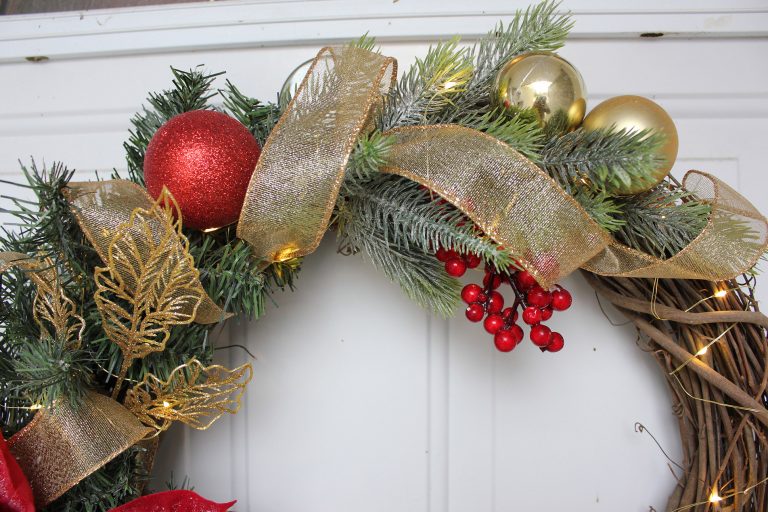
x,y
637,113
546,83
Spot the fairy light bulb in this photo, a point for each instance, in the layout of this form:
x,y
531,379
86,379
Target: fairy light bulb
x,y
721,293
714,497
702,351
35,407
166,404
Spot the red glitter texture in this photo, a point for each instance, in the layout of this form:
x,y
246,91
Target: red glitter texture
x,y
173,501
206,159
15,493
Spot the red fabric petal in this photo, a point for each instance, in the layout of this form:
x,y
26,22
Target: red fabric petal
x,y
15,492
173,501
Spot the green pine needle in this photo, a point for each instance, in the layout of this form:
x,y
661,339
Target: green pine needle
x,y
411,216
662,221
259,118
601,207
607,160
428,86
191,91
521,132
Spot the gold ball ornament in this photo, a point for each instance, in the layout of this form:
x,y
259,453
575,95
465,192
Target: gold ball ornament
x,y
546,83
636,113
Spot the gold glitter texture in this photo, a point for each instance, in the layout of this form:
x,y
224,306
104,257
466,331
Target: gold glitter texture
x,y
104,208
51,306
291,194
150,282
193,394
294,188
61,446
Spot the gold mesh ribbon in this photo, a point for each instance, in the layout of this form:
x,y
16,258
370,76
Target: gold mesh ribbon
x,y
732,242
101,207
62,446
296,182
291,194
504,193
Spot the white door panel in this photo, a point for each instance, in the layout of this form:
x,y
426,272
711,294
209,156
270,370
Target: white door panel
x,y
361,401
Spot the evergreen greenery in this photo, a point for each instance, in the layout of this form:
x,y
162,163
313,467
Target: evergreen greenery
x,y
607,160
35,371
397,223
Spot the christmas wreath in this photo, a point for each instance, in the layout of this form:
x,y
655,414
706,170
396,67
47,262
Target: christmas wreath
x,y
476,156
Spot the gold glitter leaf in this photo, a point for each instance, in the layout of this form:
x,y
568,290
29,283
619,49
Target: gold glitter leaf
x,y
150,283
51,306
193,394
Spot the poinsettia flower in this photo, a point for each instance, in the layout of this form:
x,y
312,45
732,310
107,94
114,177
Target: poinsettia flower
x,y
173,501
15,492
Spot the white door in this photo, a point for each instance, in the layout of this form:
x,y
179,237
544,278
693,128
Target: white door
x,y
361,401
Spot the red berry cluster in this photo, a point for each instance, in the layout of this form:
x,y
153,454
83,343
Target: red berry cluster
x,y
485,302
456,264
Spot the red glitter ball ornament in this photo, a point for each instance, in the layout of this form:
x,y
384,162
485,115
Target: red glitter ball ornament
x,y
206,159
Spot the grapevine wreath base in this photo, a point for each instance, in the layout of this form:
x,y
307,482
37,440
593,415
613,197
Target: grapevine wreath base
x,y
718,392
475,157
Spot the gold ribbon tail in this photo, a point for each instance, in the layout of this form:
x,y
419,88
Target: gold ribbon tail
x,y
292,192
62,446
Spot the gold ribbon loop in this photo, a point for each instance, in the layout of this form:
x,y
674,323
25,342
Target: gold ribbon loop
x,y
104,207
734,239
61,446
292,191
505,194
296,183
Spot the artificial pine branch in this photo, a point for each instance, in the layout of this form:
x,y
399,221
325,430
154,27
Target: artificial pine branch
x,y
409,217
604,160
258,117
421,277
538,28
428,86
369,155
520,131
603,209
191,91
47,370
662,221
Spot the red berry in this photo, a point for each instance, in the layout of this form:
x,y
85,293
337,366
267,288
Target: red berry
x,y
451,254
540,297
561,299
556,342
518,333
504,340
473,260
540,335
442,254
493,323
509,313
455,267
496,280
532,315
546,313
525,280
475,312
495,303
470,293
482,298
